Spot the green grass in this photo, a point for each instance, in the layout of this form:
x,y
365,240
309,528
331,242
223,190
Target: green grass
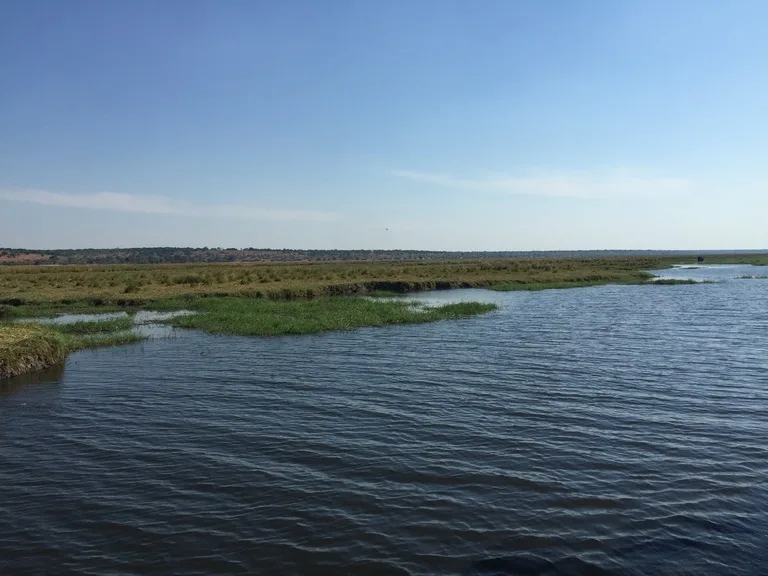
x,y
260,317
96,326
93,341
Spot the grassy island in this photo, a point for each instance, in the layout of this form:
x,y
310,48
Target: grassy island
x,y
259,317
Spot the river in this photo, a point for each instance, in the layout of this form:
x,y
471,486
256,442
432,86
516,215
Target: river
x,y
604,430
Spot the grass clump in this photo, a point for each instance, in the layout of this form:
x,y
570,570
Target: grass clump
x,y
261,317
28,347
24,348
96,326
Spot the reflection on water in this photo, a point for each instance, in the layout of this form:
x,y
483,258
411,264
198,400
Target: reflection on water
x,y
51,374
604,430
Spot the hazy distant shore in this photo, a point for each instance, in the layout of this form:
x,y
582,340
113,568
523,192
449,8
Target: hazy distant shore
x,y
179,255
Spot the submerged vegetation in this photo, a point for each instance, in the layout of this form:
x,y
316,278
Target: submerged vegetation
x,y
251,317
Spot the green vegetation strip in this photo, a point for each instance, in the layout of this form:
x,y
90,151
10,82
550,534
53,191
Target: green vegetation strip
x,y
80,342
96,326
258,317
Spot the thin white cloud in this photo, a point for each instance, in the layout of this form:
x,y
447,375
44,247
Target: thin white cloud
x,y
116,202
588,185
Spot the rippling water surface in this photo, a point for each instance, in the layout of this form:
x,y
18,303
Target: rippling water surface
x,y
607,430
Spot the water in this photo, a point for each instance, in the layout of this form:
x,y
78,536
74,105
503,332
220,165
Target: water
x,y
606,430
71,318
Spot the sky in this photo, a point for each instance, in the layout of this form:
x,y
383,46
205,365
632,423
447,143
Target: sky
x,y
437,124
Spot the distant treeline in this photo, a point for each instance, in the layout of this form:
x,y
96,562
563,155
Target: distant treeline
x,y
162,255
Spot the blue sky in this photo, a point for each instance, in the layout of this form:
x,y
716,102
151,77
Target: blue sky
x,y
457,125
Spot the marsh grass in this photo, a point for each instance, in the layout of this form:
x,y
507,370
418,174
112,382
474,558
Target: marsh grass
x,y
79,342
96,326
24,348
253,317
